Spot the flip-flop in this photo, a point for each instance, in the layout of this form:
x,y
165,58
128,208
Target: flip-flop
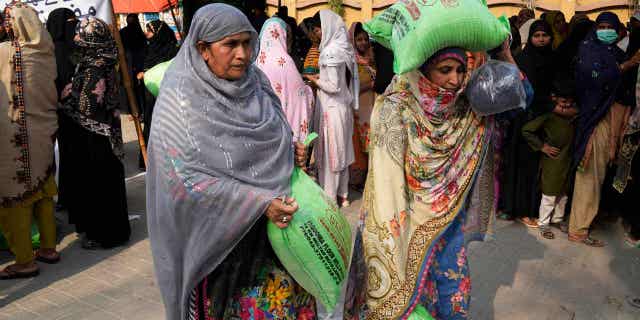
x,y
630,242
547,233
8,274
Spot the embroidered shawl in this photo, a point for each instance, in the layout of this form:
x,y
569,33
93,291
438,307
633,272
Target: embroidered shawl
x,y
28,98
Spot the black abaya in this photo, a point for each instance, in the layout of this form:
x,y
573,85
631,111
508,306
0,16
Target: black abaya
x,y
94,178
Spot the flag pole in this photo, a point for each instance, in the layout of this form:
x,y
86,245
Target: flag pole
x,y
126,80
175,21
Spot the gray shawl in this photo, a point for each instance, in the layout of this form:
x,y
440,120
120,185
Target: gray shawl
x,y
219,152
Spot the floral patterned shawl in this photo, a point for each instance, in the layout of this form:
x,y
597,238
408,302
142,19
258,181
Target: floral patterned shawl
x,y
296,97
93,98
28,97
426,156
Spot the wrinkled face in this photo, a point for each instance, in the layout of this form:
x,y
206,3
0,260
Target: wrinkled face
x,y
540,39
228,58
362,42
447,74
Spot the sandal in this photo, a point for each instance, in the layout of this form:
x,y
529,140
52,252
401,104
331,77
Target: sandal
x,y
52,259
529,222
587,240
9,273
562,226
630,242
547,233
634,301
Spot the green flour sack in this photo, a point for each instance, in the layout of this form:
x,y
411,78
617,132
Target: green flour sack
x,y
420,313
316,246
153,77
416,29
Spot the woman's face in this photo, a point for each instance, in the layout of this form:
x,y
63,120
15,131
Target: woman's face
x,y
447,74
317,34
604,26
540,39
149,34
362,42
228,58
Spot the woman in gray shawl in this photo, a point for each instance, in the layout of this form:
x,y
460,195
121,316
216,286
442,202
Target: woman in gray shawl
x,y
220,160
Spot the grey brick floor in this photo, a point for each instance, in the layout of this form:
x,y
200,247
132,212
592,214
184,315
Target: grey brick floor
x,y
519,275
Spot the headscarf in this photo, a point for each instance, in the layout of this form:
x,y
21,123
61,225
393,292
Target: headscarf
x,y
610,18
295,96
61,24
558,35
219,152
336,49
597,80
162,46
133,36
94,90
566,53
366,59
537,63
28,98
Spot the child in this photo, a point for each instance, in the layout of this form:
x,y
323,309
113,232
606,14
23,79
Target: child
x,y
552,134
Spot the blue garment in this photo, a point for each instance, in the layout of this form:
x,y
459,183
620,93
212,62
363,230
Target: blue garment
x,y
598,77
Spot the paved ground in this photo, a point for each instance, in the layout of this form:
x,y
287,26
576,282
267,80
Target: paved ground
x,y
518,276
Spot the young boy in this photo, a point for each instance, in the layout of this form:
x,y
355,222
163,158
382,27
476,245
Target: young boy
x,y
552,134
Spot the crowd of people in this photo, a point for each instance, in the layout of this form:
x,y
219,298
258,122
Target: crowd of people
x,y
226,131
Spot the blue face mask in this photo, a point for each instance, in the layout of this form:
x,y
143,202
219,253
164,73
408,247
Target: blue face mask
x,y
607,36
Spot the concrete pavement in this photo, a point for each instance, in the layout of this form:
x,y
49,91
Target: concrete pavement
x,y
519,275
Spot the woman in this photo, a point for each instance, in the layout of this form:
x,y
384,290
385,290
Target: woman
x,y
558,24
220,159
134,43
28,124
295,96
428,190
337,85
565,55
162,47
367,75
310,65
599,71
92,139
522,194
61,24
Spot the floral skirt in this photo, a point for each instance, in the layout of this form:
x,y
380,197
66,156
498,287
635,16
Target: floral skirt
x,y
251,285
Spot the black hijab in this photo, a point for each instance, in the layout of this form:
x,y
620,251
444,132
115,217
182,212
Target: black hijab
x,y
537,63
133,38
162,46
61,24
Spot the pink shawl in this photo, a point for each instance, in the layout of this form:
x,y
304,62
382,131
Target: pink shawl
x,y
296,97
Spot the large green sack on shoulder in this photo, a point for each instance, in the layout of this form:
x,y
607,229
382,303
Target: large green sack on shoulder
x,y
316,246
153,77
416,29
